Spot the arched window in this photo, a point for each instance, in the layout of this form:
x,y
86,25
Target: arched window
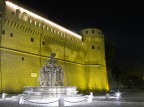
x,y
24,16
18,13
30,20
39,24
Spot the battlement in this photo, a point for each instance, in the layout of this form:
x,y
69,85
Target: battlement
x,y
33,18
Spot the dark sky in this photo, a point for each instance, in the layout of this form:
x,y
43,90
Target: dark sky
x,y
121,21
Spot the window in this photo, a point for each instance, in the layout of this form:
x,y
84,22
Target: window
x,y
47,28
18,13
54,31
93,31
32,39
99,33
30,20
3,32
86,32
93,47
51,29
35,23
39,24
11,34
43,43
43,26
23,58
64,35
24,16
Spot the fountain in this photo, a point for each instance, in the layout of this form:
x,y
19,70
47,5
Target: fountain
x,y
51,89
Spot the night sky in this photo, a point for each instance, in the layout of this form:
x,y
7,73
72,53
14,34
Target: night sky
x,y
121,21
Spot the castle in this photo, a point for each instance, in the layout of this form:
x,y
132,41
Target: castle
x,y
26,41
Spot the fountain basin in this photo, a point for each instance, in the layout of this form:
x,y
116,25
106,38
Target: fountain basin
x,y
50,90
51,94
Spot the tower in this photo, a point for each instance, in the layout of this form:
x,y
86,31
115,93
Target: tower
x,y
93,42
94,59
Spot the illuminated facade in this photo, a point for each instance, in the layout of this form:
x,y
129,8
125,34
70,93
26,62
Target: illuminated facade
x,y
27,40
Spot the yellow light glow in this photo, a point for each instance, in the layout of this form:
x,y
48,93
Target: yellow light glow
x,y
12,5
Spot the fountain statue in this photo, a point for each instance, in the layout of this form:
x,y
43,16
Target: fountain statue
x,y
51,77
51,74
